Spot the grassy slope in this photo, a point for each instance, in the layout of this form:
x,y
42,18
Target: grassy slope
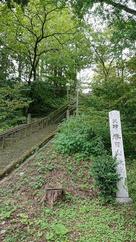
x,y
81,217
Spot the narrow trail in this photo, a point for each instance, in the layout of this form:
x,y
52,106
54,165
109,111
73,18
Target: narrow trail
x,y
19,148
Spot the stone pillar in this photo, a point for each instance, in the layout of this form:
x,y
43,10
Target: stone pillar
x,y
122,195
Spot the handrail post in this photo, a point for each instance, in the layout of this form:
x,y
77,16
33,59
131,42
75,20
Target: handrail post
x,y
3,142
67,113
29,118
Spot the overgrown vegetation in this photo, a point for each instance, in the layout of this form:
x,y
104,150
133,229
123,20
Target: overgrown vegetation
x,y
46,57
105,174
113,95
43,46
131,179
13,105
79,138
81,217
41,49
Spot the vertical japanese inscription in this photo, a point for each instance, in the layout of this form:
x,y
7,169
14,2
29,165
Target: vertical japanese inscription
x,y
118,153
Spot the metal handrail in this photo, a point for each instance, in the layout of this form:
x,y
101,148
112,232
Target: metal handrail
x,y
40,123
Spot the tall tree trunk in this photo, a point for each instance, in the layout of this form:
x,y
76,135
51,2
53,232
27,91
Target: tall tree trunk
x,y
20,67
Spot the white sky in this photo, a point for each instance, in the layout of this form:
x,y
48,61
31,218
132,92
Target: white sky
x,y
85,76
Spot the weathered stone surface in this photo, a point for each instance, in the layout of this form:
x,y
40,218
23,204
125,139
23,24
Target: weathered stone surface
x,y
118,153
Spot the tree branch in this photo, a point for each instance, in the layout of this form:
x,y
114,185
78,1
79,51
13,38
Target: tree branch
x,y
119,6
100,59
46,51
24,26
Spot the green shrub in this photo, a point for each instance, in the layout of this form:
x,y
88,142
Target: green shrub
x,y
104,172
129,142
77,136
132,179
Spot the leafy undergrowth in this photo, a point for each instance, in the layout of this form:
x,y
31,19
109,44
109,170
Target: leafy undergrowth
x,y
132,179
24,215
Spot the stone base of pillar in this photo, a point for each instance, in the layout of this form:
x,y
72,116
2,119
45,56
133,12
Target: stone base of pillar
x,y
123,200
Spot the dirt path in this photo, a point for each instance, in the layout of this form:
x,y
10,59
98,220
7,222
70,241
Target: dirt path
x,y
18,149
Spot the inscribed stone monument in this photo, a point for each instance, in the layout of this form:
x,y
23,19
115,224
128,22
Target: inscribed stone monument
x,y
122,195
